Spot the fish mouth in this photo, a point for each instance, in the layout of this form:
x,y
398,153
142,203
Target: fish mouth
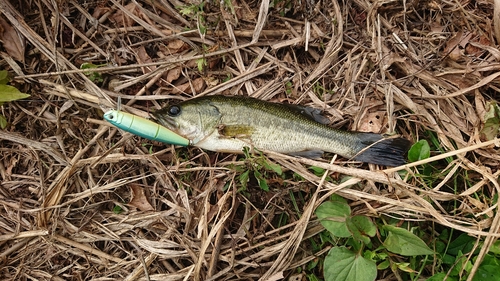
x,y
165,120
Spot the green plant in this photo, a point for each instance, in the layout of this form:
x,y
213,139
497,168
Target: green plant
x,y
454,263
197,12
491,126
8,93
257,166
363,249
95,77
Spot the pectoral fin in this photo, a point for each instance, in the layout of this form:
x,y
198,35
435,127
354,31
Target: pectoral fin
x,y
236,131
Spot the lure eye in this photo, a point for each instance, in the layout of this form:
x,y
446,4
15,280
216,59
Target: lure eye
x,y
174,110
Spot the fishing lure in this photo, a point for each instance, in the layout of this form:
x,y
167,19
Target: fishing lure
x,y
143,127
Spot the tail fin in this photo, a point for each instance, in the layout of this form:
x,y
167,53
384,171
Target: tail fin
x,y
382,151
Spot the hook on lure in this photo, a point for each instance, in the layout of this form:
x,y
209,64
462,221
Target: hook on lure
x,y
142,127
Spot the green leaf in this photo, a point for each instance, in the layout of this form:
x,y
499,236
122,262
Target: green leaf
x,y
383,265
88,65
420,150
93,76
246,152
462,244
272,167
333,216
403,242
492,122
117,209
261,180
244,177
488,270
4,77
201,63
9,93
317,171
495,248
362,228
3,122
343,265
440,277
460,264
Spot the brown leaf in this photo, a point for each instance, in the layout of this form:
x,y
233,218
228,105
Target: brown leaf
x,y
143,57
139,199
99,11
196,85
12,42
121,19
173,74
455,47
175,46
372,122
496,21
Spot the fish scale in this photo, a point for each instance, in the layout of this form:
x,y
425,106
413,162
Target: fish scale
x,y
227,124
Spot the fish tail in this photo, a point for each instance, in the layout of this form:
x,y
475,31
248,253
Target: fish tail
x,y
376,149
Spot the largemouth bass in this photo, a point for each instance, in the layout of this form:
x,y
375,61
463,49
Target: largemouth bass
x,y
227,124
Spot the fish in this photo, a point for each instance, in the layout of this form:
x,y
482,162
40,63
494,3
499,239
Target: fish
x,y
230,123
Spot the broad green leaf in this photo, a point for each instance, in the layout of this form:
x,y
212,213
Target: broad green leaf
x,y
4,77
361,227
343,265
383,265
488,270
333,216
338,198
403,242
463,244
420,150
244,177
3,122
272,167
317,170
495,248
261,180
460,264
9,93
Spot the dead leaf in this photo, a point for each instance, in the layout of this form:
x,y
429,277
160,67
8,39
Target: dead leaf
x,y
176,46
121,19
496,17
480,105
455,46
372,122
11,166
196,85
139,199
99,11
491,126
389,58
460,80
142,58
12,41
173,74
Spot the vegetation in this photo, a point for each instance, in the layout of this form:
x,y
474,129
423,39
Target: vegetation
x,y
81,200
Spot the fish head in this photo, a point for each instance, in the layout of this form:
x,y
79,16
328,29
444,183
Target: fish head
x,y
193,119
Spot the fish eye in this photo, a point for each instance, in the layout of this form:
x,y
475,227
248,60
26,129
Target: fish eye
x,y
174,110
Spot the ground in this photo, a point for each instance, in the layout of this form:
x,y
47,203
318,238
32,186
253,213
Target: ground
x,y
82,200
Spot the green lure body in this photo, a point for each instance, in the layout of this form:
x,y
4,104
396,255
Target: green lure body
x,y
143,127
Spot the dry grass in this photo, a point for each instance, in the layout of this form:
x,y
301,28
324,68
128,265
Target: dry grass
x,y
424,66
